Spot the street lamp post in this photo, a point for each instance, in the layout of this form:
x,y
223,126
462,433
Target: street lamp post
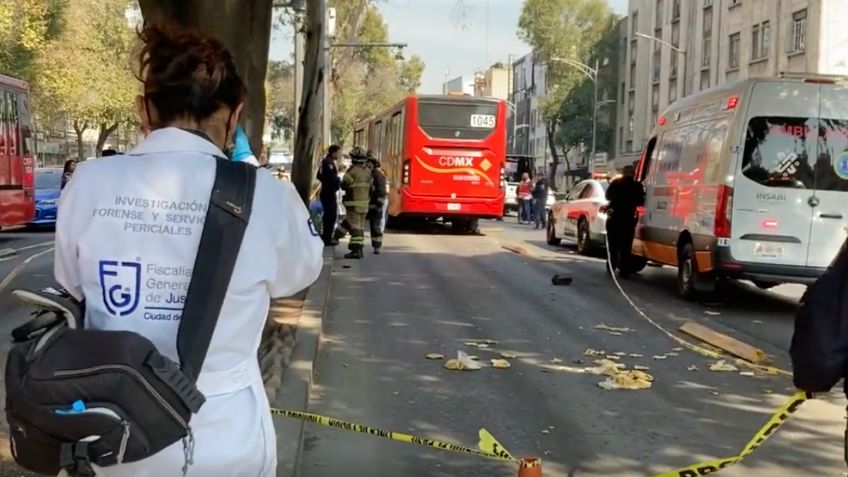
x,y
677,49
592,74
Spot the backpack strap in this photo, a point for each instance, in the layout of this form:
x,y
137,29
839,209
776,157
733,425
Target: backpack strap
x,y
226,221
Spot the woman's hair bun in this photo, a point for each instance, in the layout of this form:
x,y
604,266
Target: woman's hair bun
x,y
186,73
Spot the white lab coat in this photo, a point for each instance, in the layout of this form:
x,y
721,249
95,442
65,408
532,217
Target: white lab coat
x,y
146,208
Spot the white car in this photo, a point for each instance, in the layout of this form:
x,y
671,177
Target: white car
x,y
579,217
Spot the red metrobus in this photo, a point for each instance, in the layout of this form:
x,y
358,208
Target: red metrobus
x,y
444,157
17,165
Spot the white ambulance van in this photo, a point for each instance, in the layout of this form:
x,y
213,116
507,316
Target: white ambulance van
x,y
748,180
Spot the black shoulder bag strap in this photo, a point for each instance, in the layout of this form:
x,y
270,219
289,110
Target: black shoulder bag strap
x,y
226,221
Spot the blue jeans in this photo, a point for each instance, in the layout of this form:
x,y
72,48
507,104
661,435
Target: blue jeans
x,y
539,212
525,208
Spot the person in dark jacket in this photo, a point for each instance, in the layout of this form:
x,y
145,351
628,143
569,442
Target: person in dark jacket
x,y
540,200
328,175
624,195
377,202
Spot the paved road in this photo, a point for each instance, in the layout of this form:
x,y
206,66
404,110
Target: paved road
x,y
26,261
432,292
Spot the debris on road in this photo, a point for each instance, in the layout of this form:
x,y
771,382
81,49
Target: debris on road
x,y
507,355
620,353
435,356
462,362
635,355
677,349
592,352
613,357
722,366
471,343
545,431
724,342
692,368
712,313
556,360
514,249
660,356
500,363
641,368
750,374
632,379
561,280
482,346
613,329
672,353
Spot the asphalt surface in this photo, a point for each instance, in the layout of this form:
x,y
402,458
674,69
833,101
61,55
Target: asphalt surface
x,y
26,261
431,292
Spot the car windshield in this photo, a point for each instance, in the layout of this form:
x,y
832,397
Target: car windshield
x,y
48,179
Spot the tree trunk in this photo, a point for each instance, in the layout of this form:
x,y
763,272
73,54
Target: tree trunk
x,y
346,55
245,28
79,129
105,131
308,126
551,133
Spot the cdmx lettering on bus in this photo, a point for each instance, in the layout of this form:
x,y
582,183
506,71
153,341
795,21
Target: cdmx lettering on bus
x,y
456,161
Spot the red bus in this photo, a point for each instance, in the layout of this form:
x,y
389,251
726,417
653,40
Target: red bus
x,y
17,165
444,157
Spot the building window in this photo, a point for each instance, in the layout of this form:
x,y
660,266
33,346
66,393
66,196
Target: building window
x,y
798,39
659,19
621,138
675,11
634,22
707,44
672,91
735,3
755,42
655,73
760,38
733,52
621,96
675,41
634,51
765,39
629,130
705,80
655,98
631,103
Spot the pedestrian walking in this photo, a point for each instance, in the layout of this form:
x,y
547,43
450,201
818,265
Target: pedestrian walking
x,y
524,195
540,200
132,267
624,196
377,202
356,184
328,175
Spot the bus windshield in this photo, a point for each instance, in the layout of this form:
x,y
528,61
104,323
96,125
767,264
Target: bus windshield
x,y
455,119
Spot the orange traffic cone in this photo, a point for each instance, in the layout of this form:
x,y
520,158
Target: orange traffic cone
x,y
530,467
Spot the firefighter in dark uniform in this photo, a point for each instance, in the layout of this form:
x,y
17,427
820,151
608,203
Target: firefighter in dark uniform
x,y
378,201
624,195
357,184
328,175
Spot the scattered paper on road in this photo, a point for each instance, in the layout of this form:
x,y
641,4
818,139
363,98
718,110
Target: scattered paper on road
x,y
435,356
462,362
692,368
712,313
592,352
635,355
506,355
631,379
722,366
556,360
747,373
500,363
677,349
641,368
672,353
620,353
482,345
612,329
660,356
613,357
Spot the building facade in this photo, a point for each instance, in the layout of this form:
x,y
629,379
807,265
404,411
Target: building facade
x,y
461,85
675,48
493,83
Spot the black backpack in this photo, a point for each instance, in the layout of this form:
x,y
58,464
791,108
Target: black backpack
x,y
77,397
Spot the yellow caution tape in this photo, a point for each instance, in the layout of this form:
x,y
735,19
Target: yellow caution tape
x,y
490,448
767,430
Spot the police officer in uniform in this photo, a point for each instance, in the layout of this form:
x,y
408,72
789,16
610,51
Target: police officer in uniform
x,y
624,195
377,202
328,175
156,196
357,184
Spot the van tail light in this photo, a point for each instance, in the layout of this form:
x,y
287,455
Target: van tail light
x,y
406,172
724,210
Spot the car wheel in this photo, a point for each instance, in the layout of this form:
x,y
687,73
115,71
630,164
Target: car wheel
x,y
552,238
584,239
687,269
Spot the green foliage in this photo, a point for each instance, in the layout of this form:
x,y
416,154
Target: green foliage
x,y
280,109
85,72
25,26
566,29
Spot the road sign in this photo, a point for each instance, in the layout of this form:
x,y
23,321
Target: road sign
x,y
601,159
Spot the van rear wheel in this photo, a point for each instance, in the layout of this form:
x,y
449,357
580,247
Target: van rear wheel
x,y
551,232
687,269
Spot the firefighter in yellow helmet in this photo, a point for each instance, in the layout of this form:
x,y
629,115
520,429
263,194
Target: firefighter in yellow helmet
x,y
357,183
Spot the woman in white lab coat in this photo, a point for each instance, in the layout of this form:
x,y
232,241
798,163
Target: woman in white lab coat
x,y
140,215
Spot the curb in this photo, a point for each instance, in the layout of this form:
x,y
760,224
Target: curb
x,y
298,376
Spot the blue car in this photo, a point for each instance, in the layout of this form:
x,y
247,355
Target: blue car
x,y
48,185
